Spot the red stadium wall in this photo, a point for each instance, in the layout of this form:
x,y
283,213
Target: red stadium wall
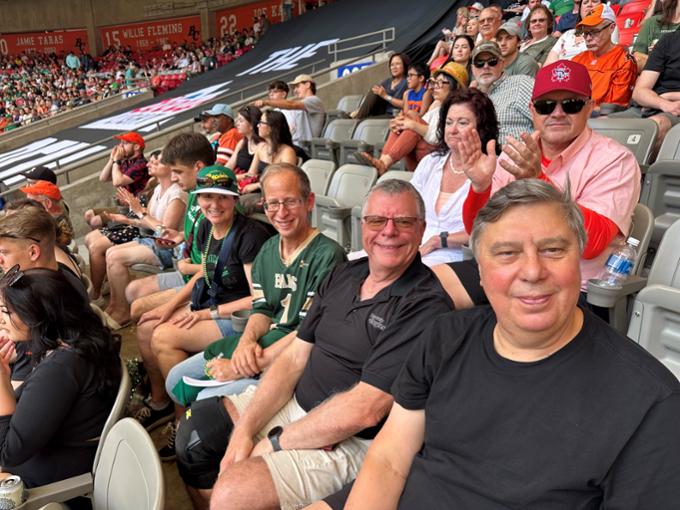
x,y
58,41
238,18
150,35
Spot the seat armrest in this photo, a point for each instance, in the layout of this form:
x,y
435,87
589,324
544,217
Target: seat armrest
x,y
366,147
662,296
324,202
607,297
62,490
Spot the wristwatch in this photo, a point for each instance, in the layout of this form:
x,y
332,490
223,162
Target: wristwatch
x,y
444,237
214,313
389,98
273,435
118,161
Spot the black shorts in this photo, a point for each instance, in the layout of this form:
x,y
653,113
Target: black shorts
x,y
467,272
202,438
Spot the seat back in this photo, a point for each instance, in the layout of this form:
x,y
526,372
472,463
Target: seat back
x,y
372,131
340,129
129,473
117,411
661,193
670,147
350,103
402,175
642,228
665,269
319,172
638,135
351,183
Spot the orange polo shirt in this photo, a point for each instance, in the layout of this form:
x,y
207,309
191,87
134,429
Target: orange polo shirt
x,y
613,75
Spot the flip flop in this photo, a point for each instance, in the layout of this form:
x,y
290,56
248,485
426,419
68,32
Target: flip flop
x,y
112,324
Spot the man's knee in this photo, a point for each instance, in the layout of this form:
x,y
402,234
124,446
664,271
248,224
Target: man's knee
x,y
202,438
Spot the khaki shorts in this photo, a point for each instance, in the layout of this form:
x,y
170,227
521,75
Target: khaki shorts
x,y
304,476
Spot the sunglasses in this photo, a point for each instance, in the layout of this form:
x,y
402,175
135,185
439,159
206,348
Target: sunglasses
x,y
401,223
14,236
288,203
221,182
11,277
591,33
569,106
491,62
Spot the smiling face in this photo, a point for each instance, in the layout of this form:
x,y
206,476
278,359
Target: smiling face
x,y
390,248
396,66
460,118
529,266
218,209
559,129
292,222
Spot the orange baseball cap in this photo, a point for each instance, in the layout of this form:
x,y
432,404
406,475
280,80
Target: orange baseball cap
x,y
45,188
601,14
131,137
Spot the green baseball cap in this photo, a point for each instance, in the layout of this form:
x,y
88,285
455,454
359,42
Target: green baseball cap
x,y
216,179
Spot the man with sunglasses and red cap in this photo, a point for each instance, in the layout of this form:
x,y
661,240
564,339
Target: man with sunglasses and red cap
x,y
612,69
603,176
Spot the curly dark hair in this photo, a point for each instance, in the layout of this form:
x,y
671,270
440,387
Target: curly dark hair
x,y
481,105
56,312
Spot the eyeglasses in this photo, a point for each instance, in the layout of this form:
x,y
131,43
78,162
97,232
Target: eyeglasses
x,y
412,75
480,63
438,83
536,21
288,204
401,223
14,236
484,21
570,106
591,33
222,182
11,277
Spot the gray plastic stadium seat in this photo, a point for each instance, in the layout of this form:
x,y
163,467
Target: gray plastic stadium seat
x,y
346,105
130,474
661,193
349,186
670,146
320,173
82,485
638,135
357,244
369,133
617,300
328,145
655,321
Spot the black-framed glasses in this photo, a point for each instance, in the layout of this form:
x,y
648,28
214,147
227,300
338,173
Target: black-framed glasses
x,y
570,106
15,236
480,63
591,33
435,84
288,204
412,75
221,182
12,276
401,223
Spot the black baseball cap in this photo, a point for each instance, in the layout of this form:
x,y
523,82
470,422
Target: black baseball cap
x,y
40,173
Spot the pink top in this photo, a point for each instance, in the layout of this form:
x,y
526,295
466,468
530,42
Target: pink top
x,y
604,177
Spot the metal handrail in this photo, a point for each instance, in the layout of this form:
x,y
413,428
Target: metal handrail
x,y
241,93
387,36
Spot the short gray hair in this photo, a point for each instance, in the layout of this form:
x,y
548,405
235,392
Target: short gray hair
x,y
397,187
277,168
529,192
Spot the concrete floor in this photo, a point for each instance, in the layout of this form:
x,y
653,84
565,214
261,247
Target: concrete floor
x,y
176,497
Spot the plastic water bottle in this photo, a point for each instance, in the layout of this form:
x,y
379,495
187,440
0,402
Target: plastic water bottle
x,y
619,264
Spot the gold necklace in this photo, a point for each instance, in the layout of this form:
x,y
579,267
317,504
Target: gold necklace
x,y
453,170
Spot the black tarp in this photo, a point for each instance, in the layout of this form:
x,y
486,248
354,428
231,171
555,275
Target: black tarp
x,y
286,47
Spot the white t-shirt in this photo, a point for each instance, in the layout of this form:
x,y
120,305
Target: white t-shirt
x,y
569,45
158,203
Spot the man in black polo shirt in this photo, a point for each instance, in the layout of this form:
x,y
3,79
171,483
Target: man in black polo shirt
x,y
303,433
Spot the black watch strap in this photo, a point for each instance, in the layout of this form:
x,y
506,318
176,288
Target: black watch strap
x,y
444,238
274,434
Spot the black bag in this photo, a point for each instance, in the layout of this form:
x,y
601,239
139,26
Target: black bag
x,y
203,296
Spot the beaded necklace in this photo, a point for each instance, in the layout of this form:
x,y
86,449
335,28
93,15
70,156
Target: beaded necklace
x,y
204,255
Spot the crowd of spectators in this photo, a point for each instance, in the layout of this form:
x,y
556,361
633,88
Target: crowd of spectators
x,y
318,388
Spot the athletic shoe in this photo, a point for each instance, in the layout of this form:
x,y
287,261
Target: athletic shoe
x,y
167,452
151,418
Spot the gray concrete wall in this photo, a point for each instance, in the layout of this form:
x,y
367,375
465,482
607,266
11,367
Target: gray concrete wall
x,y
77,117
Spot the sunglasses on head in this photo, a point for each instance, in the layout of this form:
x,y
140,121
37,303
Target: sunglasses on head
x,y
569,106
11,277
480,63
222,182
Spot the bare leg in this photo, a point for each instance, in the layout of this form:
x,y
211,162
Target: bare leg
x,y
149,302
97,244
141,287
118,260
452,285
246,485
664,126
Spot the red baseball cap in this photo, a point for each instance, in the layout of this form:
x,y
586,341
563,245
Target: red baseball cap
x,y
131,137
45,188
562,75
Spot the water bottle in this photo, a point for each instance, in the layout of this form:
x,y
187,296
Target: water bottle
x,y
619,264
